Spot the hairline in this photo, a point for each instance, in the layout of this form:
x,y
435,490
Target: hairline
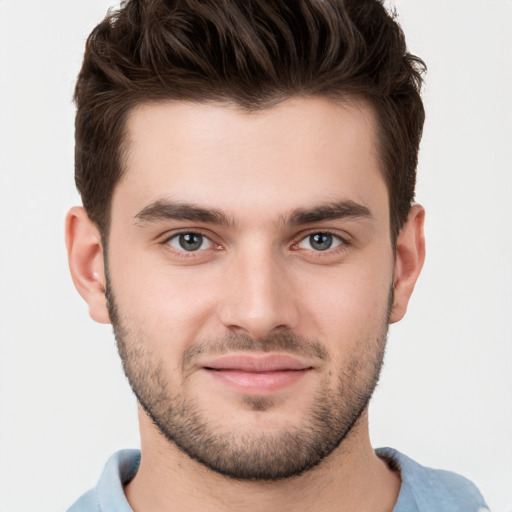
x,y
341,97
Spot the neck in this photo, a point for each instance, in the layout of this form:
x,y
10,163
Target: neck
x,y
351,479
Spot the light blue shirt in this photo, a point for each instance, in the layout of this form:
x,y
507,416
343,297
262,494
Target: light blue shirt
x,y
423,489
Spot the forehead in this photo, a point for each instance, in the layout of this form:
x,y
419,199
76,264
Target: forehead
x,y
298,153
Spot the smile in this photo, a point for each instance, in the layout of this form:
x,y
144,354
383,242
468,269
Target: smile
x,y
258,374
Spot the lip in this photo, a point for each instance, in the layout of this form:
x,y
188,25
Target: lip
x,y
256,373
256,363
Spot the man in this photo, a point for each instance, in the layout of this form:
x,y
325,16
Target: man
x,y
247,171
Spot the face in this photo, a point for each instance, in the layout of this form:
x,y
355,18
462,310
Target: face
x,y
249,276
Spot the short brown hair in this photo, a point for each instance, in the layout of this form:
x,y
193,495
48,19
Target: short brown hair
x,y
253,53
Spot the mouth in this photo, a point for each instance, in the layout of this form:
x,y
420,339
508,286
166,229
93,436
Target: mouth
x,y
256,373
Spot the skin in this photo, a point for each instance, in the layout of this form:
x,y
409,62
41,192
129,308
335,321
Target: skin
x,y
257,275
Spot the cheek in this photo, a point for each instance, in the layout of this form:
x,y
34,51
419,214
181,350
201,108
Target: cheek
x,y
349,303
169,305
178,304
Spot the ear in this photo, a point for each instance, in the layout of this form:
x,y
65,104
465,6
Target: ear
x,y
410,255
85,257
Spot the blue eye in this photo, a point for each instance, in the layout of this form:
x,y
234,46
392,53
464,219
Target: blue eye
x,y
320,242
189,242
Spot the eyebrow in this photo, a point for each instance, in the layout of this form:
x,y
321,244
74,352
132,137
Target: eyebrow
x,y
330,211
162,210
169,210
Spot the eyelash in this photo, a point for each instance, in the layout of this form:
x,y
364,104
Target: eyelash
x,y
341,247
330,251
189,254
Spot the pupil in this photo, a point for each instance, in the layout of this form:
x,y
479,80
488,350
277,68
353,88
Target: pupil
x,y
321,241
191,241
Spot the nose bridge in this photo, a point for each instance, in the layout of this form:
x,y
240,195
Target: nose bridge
x,y
259,296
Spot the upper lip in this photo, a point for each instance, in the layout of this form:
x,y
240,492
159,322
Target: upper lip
x,y
256,363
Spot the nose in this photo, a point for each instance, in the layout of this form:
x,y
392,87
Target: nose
x,y
259,296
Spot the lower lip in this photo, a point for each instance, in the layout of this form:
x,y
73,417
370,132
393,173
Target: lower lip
x,y
257,383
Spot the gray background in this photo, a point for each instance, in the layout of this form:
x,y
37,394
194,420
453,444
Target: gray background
x,y
445,395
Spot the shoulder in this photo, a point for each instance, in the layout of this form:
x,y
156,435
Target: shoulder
x,y
108,495
88,502
426,489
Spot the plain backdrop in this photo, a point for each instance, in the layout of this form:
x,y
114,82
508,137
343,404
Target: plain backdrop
x,y
445,397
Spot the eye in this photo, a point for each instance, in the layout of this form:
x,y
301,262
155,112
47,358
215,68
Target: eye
x,y
189,242
320,242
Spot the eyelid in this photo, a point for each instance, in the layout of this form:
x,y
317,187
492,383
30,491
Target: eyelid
x,y
206,234
205,241
345,238
171,233
337,241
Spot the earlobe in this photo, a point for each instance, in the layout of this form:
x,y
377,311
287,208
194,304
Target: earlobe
x,y
85,257
410,255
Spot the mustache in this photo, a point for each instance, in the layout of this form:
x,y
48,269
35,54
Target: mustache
x,y
288,342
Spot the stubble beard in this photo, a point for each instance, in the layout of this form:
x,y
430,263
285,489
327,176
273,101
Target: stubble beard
x,y
252,455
